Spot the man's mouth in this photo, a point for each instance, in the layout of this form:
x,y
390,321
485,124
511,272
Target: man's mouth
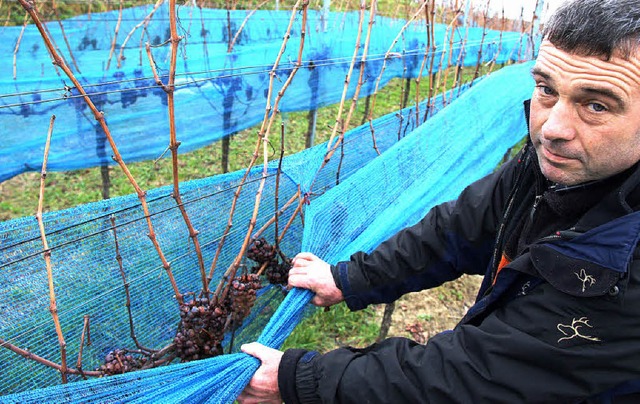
x,y
555,156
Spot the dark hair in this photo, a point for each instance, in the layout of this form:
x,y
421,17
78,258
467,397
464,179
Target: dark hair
x,y
596,27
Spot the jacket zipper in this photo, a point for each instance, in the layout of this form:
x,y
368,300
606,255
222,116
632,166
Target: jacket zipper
x,y
512,197
536,202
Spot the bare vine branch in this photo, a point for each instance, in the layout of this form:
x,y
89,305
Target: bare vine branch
x,y
98,115
363,62
430,49
432,35
15,50
145,23
451,29
85,331
502,28
31,356
485,16
271,221
132,332
260,141
331,147
388,55
263,134
244,22
53,307
173,143
115,38
291,219
277,188
64,36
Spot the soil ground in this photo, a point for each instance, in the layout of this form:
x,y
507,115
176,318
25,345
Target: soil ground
x,y
423,314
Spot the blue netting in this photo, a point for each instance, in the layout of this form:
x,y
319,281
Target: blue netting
x,y
223,92
375,197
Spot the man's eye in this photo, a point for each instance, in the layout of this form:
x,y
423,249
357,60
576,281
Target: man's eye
x,y
595,107
545,90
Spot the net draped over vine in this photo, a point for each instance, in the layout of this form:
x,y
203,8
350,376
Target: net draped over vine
x,y
219,80
375,196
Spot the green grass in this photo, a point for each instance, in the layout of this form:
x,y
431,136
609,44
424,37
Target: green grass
x,y
337,327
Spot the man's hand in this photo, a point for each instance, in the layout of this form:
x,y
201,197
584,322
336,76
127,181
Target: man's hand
x,y
263,387
310,272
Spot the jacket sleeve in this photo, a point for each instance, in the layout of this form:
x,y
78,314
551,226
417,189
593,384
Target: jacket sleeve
x,y
544,346
454,238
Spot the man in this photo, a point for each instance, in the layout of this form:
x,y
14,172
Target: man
x,y
555,231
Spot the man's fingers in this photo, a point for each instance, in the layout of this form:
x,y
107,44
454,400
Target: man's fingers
x,y
247,397
304,256
254,349
300,280
298,271
301,263
263,386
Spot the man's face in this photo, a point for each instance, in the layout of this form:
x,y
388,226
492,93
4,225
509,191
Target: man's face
x,y
585,115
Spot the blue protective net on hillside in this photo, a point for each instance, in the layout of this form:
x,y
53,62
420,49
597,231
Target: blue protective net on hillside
x,y
374,197
223,91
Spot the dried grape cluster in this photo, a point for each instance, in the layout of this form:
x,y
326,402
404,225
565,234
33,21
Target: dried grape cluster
x,y
121,361
203,322
279,274
243,296
202,326
261,251
266,255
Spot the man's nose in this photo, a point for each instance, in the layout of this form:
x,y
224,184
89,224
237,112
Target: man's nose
x,y
560,123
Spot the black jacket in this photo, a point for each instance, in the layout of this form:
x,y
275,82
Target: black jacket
x,y
557,318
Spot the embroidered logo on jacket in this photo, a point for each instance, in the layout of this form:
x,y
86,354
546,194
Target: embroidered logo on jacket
x,y
585,279
573,331
525,288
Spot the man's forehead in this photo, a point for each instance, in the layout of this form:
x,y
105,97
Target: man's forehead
x,y
616,71
617,56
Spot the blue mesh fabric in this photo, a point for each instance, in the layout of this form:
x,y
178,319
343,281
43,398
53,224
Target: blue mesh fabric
x,y
224,92
375,197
